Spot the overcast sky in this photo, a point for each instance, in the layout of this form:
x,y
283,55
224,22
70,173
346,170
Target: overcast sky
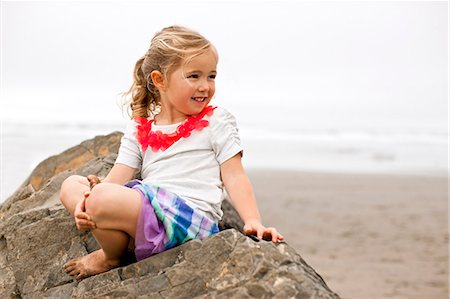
x,y
286,61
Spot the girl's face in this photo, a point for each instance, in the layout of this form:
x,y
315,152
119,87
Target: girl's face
x,y
191,86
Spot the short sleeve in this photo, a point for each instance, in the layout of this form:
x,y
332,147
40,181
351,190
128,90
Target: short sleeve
x,y
129,151
224,135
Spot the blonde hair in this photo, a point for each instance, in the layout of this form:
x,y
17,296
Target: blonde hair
x,y
169,49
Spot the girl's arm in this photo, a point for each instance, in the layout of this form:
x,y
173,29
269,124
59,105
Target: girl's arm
x,y
243,199
120,174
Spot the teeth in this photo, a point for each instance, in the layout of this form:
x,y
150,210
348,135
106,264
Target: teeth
x,y
198,99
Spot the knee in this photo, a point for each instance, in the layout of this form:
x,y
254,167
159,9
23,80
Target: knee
x,y
68,187
98,199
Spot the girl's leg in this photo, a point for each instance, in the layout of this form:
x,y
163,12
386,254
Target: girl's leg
x,y
114,244
115,210
72,191
111,206
114,207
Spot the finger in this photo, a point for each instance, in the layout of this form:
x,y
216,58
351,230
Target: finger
x,y
87,217
80,215
249,230
268,235
275,238
279,237
83,205
77,209
83,215
260,232
273,234
87,225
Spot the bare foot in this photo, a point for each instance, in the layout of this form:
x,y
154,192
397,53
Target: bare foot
x,y
88,265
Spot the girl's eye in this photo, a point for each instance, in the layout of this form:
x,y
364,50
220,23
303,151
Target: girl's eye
x,y
194,76
212,77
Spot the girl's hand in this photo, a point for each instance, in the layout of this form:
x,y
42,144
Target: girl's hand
x,y
82,219
93,180
254,227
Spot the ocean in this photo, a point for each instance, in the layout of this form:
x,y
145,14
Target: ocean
x,y
410,150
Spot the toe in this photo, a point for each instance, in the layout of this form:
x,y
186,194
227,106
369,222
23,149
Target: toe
x,y
70,263
74,273
69,267
80,276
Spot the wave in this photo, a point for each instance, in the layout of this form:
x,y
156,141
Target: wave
x,y
421,134
360,150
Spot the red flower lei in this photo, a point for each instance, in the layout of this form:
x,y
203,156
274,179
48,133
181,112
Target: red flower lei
x,y
161,141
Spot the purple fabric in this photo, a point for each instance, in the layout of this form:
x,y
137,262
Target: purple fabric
x,y
150,233
166,221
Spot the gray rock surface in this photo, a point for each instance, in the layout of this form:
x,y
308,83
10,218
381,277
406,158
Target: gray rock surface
x,y
38,236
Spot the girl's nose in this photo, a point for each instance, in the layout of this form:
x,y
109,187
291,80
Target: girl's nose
x,y
204,86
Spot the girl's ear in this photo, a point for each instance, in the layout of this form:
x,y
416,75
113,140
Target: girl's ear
x,y
158,80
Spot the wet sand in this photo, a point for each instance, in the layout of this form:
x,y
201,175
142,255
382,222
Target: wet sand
x,y
369,236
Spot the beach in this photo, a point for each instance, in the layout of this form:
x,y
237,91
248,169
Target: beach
x,y
368,236
374,234
342,110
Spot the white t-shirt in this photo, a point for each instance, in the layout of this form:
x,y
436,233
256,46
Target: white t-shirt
x,y
190,167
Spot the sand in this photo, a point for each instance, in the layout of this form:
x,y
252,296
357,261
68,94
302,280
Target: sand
x,y
369,236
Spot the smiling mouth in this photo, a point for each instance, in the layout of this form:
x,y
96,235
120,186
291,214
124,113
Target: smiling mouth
x,y
199,99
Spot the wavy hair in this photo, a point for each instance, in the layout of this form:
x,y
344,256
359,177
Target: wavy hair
x,y
170,48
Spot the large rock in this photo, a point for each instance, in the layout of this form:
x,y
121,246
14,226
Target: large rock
x,y
38,236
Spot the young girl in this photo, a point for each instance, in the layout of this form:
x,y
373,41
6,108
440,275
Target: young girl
x,y
186,152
